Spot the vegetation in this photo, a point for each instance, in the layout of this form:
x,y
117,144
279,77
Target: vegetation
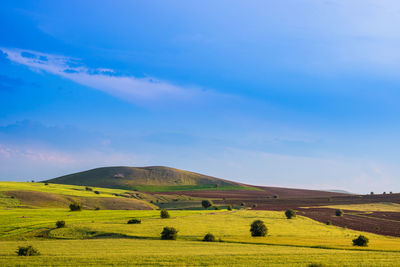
x,y
229,207
361,241
164,214
339,212
75,207
60,224
290,213
169,233
258,228
206,203
134,221
209,238
27,251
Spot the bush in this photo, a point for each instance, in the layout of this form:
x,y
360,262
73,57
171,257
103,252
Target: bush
x,y
339,213
217,208
169,233
97,208
229,207
164,214
328,223
276,196
372,193
242,204
60,224
134,221
97,192
46,183
258,228
316,265
88,188
75,206
361,241
206,203
290,214
27,251
209,238
254,205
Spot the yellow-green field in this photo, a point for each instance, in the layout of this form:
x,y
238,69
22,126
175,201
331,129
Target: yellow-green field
x,y
383,206
105,238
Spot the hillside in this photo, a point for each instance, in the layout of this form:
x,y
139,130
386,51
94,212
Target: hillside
x,y
153,178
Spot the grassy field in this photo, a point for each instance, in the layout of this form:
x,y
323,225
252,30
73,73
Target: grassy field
x,y
107,239
383,206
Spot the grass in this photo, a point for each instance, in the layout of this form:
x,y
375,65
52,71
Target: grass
x,y
382,206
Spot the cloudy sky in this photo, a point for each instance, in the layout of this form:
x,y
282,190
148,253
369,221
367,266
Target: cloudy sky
x,y
296,93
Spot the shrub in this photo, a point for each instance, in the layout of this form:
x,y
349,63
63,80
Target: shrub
x,y
88,188
229,207
316,265
60,224
75,206
169,233
217,208
206,203
276,196
254,205
27,251
328,223
97,192
46,183
164,214
209,238
290,213
361,241
97,208
339,213
372,193
258,228
242,204
134,221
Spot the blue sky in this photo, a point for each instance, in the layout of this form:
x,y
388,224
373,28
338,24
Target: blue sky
x,y
285,93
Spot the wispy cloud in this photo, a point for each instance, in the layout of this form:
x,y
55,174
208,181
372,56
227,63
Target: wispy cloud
x,y
125,87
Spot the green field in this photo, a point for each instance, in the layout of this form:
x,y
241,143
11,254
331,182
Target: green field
x,y
383,206
104,238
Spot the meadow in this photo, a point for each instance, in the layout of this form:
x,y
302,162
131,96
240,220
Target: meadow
x,y
103,237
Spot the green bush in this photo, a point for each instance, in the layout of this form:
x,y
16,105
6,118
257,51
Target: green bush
x,y
46,183
328,223
97,192
134,221
361,241
164,214
339,213
290,213
258,228
316,265
276,196
75,206
209,238
60,224
217,208
169,233
229,207
254,205
88,188
27,251
206,203
97,208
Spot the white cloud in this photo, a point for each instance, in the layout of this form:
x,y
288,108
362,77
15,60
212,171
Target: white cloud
x,y
129,88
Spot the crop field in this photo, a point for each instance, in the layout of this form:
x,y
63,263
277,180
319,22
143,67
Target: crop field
x,y
381,206
103,237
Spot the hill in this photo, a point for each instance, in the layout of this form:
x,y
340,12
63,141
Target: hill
x,y
153,178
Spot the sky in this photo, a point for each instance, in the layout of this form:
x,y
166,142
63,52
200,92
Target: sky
x,y
285,93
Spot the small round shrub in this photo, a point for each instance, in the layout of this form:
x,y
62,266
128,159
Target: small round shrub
x,y
75,206
361,241
27,251
46,183
134,221
276,196
60,224
169,233
242,204
164,214
290,213
328,223
339,213
209,238
206,203
254,205
87,188
97,208
96,192
229,207
217,208
258,228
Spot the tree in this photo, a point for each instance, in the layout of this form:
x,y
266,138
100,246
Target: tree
x,y
60,224
27,251
339,213
361,241
258,228
290,213
169,233
206,203
75,206
229,207
164,214
209,238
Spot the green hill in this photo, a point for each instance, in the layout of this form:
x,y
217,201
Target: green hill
x,y
153,178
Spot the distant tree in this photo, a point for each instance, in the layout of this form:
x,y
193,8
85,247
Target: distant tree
x,y
87,188
276,196
254,205
134,221
97,192
209,238
290,213
75,206
242,204
97,208
164,214
206,203
60,224
361,241
169,233
46,183
217,208
384,193
33,181
328,223
229,207
258,228
372,193
27,251
339,213
390,192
